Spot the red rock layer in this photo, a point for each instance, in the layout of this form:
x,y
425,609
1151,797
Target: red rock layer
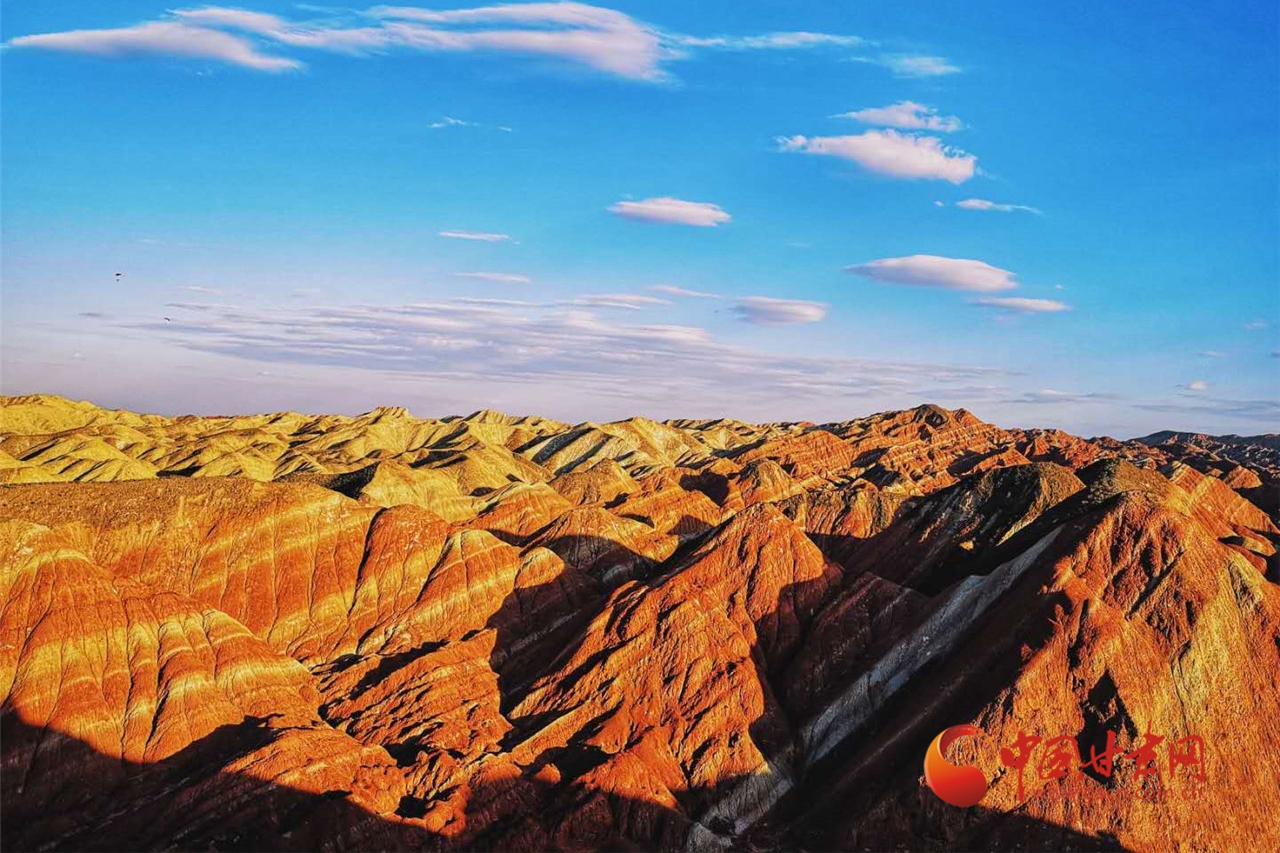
x,y
511,633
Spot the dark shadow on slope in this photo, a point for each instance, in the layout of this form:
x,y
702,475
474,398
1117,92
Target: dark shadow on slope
x,y
714,486
540,625
866,793
70,797
98,803
75,798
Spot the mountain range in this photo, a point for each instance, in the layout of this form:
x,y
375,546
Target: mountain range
x,y
302,632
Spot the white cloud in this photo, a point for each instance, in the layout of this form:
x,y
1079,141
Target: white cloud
x,y
1211,353
168,38
1197,385
1050,395
602,39
936,271
475,235
499,277
450,121
983,204
357,39
478,300
769,41
672,210
907,115
1024,304
1255,325
888,152
629,301
599,38
905,65
767,311
674,290
553,357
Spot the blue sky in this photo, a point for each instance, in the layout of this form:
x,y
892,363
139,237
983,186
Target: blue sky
x,y
1052,215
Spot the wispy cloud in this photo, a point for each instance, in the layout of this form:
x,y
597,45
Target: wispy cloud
x,y
909,65
769,41
450,121
168,38
1023,304
672,211
907,115
1266,411
684,292
888,152
983,204
195,288
604,40
1211,353
1196,385
628,301
767,311
477,347
1050,395
482,236
499,277
937,271
1255,325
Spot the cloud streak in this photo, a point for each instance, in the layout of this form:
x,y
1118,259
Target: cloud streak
x,y
890,153
905,115
908,65
672,211
768,311
983,204
683,292
628,301
769,41
479,345
497,277
1050,395
601,39
167,38
1024,305
482,236
937,271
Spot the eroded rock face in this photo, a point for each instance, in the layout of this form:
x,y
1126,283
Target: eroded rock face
x,y
497,632
117,694
1125,621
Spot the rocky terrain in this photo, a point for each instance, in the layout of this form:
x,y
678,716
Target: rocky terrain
x,y
1241,459
490,632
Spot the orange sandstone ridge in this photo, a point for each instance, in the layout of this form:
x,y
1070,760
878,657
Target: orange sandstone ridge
x,y
296,632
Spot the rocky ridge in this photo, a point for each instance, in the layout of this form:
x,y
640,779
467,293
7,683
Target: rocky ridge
x,y
493,632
